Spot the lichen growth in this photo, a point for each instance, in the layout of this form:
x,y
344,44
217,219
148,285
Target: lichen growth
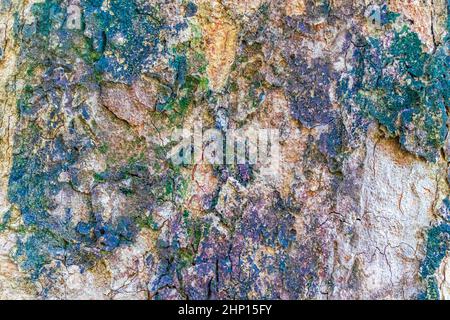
x,y
404,88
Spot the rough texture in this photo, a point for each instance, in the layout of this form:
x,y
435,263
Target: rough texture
x,y
92,208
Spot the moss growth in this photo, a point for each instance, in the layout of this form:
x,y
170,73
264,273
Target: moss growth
x,y
103,148
438,244
404,89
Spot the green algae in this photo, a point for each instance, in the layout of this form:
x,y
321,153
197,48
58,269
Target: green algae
x,y
438,244
405,89
39,158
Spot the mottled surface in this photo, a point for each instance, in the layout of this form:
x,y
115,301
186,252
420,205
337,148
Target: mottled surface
x,y
91,208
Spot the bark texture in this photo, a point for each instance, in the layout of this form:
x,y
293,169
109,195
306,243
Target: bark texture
x,y
91,93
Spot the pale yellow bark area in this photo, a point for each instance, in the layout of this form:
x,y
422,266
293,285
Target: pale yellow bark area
x,y
12,281
219,39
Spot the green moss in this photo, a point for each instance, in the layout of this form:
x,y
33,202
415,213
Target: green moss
x,y
146,222
185,258
404,89
49,14
178,106
5,220
169,187
99,177
190,63
438,244
127,191
103,148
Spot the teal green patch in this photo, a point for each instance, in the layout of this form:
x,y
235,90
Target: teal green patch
x,y
405,89
438,242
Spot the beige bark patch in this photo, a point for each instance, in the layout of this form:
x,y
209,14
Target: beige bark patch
x,y
12,281
275,114
219,39
243,6
130,103
295,8
8,114
398,198
203,184
443,278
